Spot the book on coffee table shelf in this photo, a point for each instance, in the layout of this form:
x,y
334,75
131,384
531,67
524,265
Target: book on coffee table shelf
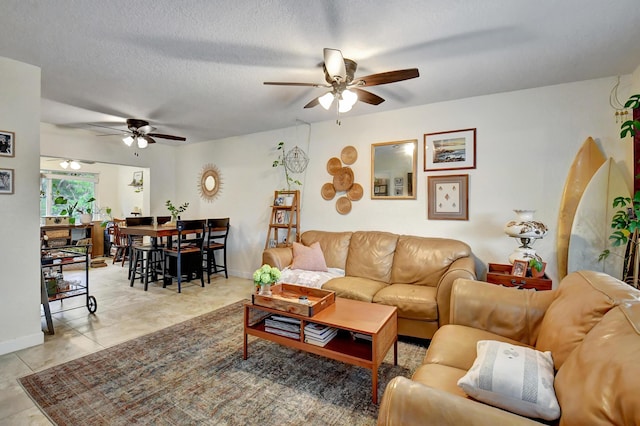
x,y
321,341
282,325
361,336
284,333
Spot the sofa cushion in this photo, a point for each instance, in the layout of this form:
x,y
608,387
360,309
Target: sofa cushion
x,y
308,258
371,255
423,261
582,299
513,377
355,288
334,245
412,301
455,345
598,382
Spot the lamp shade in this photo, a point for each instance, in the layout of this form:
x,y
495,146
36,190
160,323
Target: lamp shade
x,y
74,165
142,142
128,140
326,100
64,164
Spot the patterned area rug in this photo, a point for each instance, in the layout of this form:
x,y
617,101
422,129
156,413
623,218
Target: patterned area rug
x,y
193,373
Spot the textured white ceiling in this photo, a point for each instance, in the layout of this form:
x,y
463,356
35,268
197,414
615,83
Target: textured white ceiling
x,y
195,67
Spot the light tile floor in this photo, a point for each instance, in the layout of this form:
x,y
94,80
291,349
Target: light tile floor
x,y
123,313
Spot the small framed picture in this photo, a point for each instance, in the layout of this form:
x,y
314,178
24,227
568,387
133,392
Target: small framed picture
x,y
397,181
137,178
452,150
519,268
7,144
7,181
280,218
279,201
398,191
448,197
272,243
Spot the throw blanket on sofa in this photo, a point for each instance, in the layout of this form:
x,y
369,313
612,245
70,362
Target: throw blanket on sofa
x,y
314,279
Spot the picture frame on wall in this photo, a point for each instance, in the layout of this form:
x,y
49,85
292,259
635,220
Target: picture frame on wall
x,y
448,197
137,178
7,181
451,150
7,144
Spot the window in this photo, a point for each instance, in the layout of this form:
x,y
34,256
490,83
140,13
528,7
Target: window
x,y
73,186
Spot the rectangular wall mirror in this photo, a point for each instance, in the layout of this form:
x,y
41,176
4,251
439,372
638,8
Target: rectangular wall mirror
x,y
393,170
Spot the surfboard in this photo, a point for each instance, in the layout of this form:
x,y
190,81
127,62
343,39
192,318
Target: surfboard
x,y
592,223
588,160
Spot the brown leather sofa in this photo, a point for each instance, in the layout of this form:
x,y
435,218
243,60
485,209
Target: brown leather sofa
x,y
415,274
591,325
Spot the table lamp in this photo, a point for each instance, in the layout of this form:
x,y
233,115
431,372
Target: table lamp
x,y
527,230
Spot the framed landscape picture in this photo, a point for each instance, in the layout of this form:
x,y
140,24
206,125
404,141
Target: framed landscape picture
x,y
7,181
7,144
448,197
451,150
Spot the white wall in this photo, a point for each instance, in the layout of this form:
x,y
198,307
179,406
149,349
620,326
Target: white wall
x,y
526,142
19,227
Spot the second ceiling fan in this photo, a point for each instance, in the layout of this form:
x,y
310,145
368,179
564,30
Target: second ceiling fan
x,y
344,87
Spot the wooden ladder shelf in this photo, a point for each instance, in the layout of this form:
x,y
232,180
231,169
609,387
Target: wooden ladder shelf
x,y
284,218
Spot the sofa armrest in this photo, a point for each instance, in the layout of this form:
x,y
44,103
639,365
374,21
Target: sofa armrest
x,y
406,402
506,311
280,257
460,268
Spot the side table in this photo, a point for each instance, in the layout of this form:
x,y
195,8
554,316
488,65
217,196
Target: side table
x,y
501,274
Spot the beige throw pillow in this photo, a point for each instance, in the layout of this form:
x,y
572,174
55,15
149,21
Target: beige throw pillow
x,y
515,378
308,258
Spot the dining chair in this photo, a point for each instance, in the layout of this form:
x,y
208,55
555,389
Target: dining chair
x,y
187,252
120,242
216,241
145,260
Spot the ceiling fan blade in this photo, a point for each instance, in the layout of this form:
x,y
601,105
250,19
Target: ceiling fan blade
x,y
368,97
313,102
160,135
149,139
107,127
388,77
334,64
287,83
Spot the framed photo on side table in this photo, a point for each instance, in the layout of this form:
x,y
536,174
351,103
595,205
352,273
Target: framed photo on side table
x,y
519,268
7,181
453,150
448,197
7,144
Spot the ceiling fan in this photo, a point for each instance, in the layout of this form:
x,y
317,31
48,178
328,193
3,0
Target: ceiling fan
x,y
67,163
343,87
142,133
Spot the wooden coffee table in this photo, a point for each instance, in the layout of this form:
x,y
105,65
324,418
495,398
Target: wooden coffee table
x,y
378,321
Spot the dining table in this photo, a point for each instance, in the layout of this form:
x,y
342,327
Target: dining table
x,y
155,232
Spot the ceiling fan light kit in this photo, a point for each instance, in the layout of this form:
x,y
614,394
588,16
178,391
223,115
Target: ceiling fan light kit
x,y
345,89
65,164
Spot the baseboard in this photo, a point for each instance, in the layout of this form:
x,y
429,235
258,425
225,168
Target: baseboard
x,y
21,343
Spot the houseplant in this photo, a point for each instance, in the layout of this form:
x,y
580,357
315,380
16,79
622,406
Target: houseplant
x,y
85,208
625,221
175,211
264,277
537,267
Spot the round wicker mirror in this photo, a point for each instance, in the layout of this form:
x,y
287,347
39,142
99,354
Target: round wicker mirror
x,y
210,182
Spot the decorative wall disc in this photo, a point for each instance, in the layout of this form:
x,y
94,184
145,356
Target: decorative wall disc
x,y
328,191
343,179
355,193
349,155
210,182
343,205
333,165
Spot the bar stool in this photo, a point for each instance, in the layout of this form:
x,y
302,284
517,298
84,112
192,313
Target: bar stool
x,y
147,263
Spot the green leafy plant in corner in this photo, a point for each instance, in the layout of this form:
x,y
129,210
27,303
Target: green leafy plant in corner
x,y
280,161
626,221
175,211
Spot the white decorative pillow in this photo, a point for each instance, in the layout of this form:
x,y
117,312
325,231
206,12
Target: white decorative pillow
x,y
308,258
515,378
